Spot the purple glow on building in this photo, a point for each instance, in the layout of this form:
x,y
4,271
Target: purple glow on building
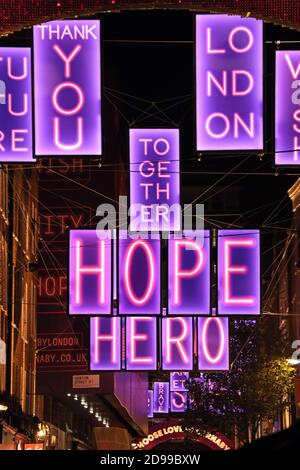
x,y
189,273
15,105
238,272
90,277
154,179
229,83
177,343
150,404
139,276
105,343
67,92
178,381
141,343
287,114
161,397
178,402
213,343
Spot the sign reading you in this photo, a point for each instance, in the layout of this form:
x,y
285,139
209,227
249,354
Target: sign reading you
x,y
229,83
15,105
67,88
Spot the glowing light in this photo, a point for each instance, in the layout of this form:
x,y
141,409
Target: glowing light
x,y
230,270
142,300
206,351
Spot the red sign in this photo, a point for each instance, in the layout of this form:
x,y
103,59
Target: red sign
x,y
36,446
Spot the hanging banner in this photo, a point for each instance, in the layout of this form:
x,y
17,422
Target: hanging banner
x,y
90,272
229,83
161,397
177,343
213,343
67,88
154,180
238,272
150,404
178,402
15,105
178,381
287,113
141,343
189,273
139,275
105,343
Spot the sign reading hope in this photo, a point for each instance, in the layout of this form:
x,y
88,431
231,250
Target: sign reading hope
x,y
67,88
15,105
139,297
229,82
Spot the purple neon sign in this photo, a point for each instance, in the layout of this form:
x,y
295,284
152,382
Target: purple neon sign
x,y
67,88
178,381
150,404
15,105
139,275
189,273
177,343
154,179
161,397
105,343
229,82
213,343
238,272
287,114
141,343
178,402
90,277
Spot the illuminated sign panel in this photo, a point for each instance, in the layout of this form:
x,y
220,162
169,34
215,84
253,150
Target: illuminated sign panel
x,y
15,105
139,275
161,397
178,402
67,88
105,343
170,342
178,381
177,343
154,179
141,343
189,273
150,404
238,272
213,343
90,277
229,82
287,115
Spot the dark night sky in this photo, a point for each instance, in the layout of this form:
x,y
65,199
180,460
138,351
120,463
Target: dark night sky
x,y
147,57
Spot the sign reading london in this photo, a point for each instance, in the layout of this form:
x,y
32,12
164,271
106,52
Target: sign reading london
x,y
67,88
229,83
